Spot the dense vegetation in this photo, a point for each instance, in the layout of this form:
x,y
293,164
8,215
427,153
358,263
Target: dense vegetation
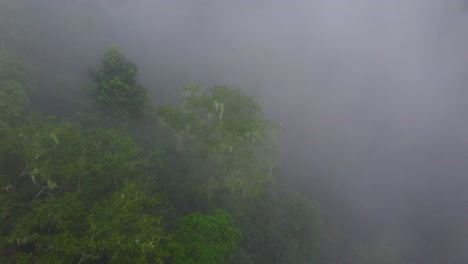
x,y
82,190
110,173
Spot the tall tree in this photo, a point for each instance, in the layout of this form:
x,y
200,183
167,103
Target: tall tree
x,y
229,141
116,90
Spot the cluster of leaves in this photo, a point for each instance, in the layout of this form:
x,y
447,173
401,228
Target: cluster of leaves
x,y
208,239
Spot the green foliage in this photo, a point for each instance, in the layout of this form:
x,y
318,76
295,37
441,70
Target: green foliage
x,y
111,159
116,91
70,194
125,229
210,239
56,180
52,232
59,156
39,149
230,141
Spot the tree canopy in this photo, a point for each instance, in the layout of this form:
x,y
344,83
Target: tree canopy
x,y
116,90
74,191
206,239
229,139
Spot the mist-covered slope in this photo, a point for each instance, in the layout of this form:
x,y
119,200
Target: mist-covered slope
x,y
371,96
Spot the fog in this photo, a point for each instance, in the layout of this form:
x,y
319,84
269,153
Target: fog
x,y
371,94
